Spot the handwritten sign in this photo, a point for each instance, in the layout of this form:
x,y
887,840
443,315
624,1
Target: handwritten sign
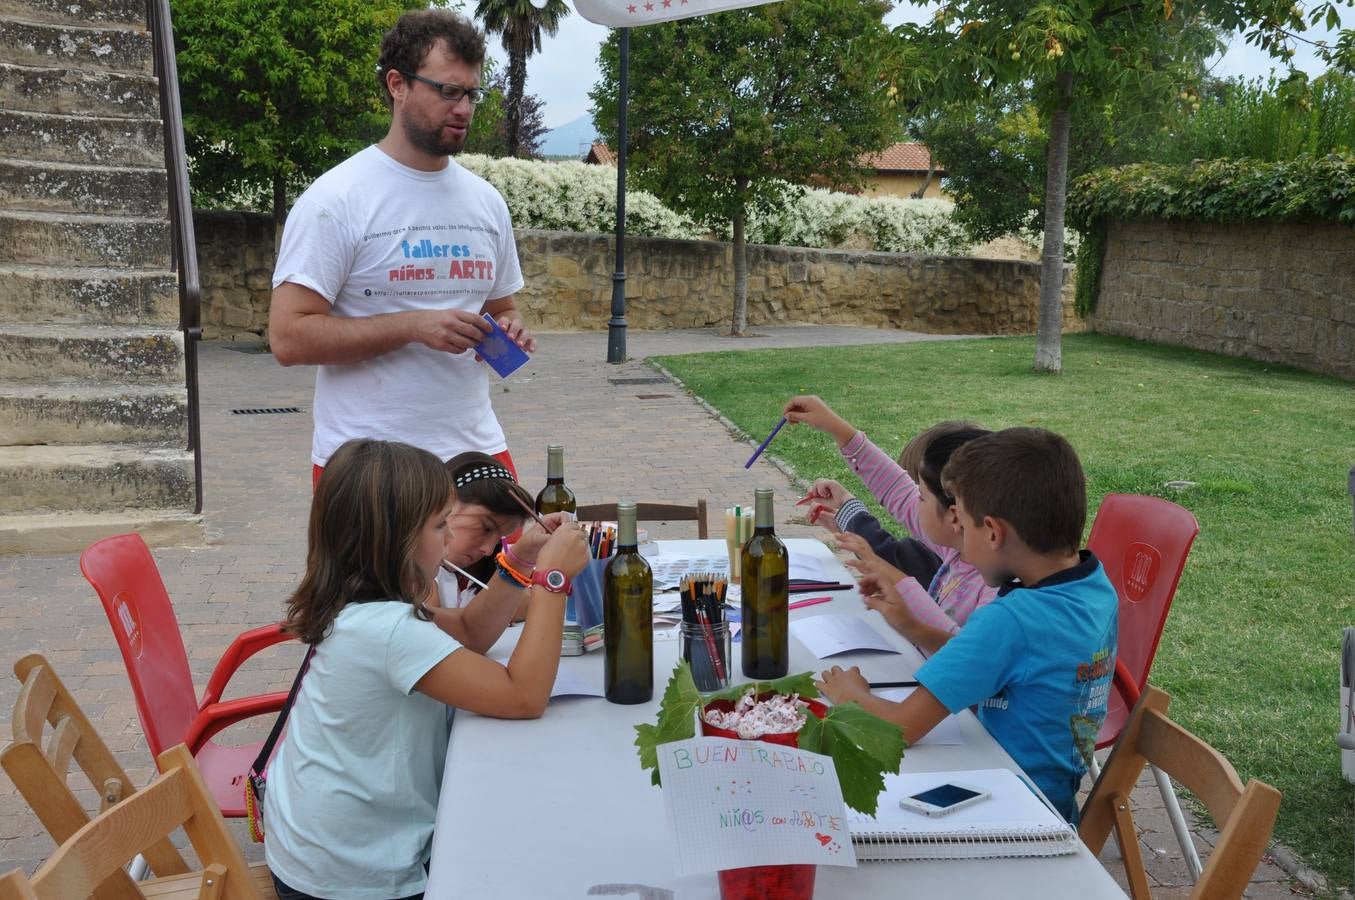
x,y
732,804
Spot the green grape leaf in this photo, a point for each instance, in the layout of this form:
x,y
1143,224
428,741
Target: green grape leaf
x,y
677,718
801,683
863,748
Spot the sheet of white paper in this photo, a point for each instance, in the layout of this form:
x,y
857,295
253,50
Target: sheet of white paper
x,y
668,570
568,684
947,731
731,804
812,568
832,634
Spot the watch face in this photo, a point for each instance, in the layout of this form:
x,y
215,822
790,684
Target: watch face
x,y
555,580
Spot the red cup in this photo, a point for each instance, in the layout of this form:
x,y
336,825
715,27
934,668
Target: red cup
x,y
784,882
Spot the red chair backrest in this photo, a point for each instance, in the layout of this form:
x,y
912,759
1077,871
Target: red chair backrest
x,y
1142,542
124,574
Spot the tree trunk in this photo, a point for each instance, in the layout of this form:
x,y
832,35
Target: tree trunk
x,y
740,322
512,104
926,182
1049,337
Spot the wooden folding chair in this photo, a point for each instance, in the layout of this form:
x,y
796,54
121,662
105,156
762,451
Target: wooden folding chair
x,y
39,769
178,798
1245,815
651,512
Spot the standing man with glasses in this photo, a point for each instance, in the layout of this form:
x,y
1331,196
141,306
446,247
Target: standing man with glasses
x,y
389,259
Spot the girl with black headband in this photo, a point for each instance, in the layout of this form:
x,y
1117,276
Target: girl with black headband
x,y
479,581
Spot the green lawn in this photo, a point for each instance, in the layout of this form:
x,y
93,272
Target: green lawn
x,y
1250,650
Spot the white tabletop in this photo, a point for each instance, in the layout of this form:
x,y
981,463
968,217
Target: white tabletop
x,y
558,806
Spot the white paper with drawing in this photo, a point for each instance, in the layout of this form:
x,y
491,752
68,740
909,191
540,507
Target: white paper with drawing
x,y
732,804
832,634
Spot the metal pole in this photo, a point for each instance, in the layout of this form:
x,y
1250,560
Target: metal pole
x,y
616,325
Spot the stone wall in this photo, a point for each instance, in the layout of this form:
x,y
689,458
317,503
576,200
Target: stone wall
x,y
1275,292
235,271
680,284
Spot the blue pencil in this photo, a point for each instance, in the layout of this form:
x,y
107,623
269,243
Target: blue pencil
x,y
763,446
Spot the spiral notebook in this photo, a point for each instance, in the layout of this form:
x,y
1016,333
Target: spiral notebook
x,y
1013,821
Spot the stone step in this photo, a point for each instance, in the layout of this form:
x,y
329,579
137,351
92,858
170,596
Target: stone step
x,y
94,478
81,139
91,296
67,187
71,412
65,239
78,92
39,353
113,48
78,12
72,532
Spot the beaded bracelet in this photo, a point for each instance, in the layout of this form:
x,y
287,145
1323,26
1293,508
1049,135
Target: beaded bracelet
x,y
510,573
508,549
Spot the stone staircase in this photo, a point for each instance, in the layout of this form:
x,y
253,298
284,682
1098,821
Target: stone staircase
x,y
93,398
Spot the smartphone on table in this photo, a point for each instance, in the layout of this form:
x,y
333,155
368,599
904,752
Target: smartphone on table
x,y
943,799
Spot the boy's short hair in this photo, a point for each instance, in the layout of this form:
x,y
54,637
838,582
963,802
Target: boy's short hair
x,y
1028,477
910,457
407,44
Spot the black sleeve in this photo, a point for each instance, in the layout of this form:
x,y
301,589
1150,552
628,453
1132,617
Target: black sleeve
x,y
909,555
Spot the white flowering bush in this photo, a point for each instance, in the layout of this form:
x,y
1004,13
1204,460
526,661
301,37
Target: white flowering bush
x,y
821,218
572,196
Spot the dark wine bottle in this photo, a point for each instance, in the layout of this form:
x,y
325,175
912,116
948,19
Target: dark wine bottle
x,y
555,497
628,617
766,617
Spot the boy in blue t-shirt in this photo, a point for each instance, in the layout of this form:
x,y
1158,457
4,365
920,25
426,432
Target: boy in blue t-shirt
x,y
1038,659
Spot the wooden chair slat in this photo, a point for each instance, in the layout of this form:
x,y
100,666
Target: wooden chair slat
x,y
1245,814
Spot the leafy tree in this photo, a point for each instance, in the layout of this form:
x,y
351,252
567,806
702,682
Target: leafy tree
x,y
520,24
731,112
491,138
276,93
1076,55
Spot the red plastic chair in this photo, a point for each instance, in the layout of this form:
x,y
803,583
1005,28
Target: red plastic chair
x,y
124,574
1142,542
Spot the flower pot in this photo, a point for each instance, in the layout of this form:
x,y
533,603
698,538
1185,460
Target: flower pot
x,y
783,882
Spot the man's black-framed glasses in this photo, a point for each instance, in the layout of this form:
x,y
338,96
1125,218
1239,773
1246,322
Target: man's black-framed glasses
x,y
452,93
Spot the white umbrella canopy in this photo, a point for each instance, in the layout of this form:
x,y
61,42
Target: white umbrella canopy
x,y
634,13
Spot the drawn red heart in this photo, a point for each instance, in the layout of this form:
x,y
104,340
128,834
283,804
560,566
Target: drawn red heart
x,y
824,839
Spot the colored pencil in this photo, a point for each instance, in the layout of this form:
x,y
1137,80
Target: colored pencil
x,y
531,512
812,601
893,684
763,446
453,567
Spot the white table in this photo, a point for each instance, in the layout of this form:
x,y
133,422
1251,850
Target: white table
x,y
553,807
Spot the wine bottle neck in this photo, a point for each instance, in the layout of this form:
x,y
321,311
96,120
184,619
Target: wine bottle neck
x,y
763,520
555,465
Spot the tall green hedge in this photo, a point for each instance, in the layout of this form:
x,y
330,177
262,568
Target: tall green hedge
x,y
1218,190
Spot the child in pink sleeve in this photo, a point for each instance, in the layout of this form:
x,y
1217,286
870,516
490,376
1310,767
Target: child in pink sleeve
x,y
928,615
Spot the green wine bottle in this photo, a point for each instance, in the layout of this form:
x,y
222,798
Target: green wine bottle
x,y
766,617
628,617
555,497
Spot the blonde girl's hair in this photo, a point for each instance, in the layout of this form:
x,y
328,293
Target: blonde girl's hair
x,y
372,501
910,458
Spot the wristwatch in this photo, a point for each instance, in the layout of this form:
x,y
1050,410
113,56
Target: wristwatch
x,y
553,580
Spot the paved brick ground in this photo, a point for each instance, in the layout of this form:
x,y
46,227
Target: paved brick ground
x,y
626,439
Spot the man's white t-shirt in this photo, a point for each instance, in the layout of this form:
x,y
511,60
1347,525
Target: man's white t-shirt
x,y
373,236
353,788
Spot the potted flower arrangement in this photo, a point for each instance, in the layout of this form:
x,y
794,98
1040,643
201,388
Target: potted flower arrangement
x,y
786,711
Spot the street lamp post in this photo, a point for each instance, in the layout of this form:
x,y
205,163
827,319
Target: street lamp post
x,y
616,325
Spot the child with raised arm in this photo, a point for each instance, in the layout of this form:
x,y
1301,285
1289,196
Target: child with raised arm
x,y
909,555
927,614
353,788
1039,659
